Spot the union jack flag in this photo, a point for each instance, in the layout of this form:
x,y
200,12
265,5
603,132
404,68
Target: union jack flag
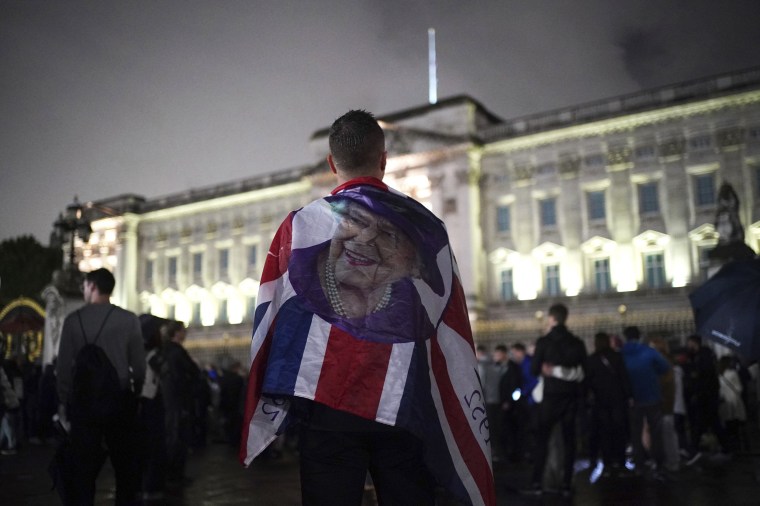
x,y
406,359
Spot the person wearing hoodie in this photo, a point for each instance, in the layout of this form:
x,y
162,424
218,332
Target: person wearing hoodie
x,y
645,365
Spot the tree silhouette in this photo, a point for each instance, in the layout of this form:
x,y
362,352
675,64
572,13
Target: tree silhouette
x,y
26,267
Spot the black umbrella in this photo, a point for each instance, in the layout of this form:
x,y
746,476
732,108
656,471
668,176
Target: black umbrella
x,y
727,307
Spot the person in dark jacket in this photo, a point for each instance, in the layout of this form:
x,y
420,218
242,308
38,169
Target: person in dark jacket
x,y
512,405
610,390
559,358
702,392
179,376
645,365
152,414
231,390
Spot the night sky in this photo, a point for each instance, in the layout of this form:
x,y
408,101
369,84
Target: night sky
x,y
155,97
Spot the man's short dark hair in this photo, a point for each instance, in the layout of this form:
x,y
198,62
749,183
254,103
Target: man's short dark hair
x,y
518,346
102,279
559,313
601,341
696,338
500,347
357,142
632,333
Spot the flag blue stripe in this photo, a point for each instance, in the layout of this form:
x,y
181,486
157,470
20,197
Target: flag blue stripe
x,y
288,344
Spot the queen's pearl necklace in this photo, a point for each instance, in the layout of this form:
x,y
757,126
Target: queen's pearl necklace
x,y
333,295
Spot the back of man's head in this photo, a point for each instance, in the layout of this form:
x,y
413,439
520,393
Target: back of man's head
x,y
695,340
357,142
559,313
632,333
102,279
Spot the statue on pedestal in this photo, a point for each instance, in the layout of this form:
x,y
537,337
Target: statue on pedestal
x,y
731,245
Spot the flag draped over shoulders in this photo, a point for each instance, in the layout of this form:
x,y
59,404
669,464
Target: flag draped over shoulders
x,y
360,308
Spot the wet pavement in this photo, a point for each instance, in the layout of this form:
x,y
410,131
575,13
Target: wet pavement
x,y
218,479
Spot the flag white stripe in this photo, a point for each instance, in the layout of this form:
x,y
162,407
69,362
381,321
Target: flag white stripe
x,y
313,358
260,333
459,465
262,429
464,379
312,225
395,382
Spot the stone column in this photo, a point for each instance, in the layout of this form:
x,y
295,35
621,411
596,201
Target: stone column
x,y
127,263
526,273
570,215
675,211
622,222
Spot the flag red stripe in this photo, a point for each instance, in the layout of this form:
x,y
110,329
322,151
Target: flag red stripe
x,y
456,315
280,250
353,374
466,442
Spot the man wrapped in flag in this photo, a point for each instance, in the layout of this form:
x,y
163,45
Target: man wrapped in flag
x,y
361,334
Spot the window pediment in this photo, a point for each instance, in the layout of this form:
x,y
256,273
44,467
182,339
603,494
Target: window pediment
x,y
598,245
704,233
651,240
549,251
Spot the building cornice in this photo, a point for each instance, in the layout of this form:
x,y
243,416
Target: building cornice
x,y
227,201
628,122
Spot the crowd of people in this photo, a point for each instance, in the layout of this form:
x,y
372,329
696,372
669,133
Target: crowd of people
x,y
180,405
636,405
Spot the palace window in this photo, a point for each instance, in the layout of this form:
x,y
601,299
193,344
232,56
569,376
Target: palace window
x,y
195,315
551,278
602,279
503,219
507,285
704,262
548,212
649,203
222,317
644,152
197,267
252,257
654,270
250,307
595,160
224,263
149,272
595,200
700,142
172,270
704,190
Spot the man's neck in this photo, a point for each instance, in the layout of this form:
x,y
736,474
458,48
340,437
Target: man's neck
x,y
366,180
100,299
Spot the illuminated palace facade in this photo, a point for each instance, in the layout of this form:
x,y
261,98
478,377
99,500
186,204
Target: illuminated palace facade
x,y
607,207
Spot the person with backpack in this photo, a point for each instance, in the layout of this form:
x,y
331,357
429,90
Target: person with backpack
x,y
100,366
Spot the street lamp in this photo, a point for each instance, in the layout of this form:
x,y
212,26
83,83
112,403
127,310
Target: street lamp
x,y
68,227
623,311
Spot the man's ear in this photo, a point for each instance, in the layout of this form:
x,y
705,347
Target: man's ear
x,y
383,161
331,163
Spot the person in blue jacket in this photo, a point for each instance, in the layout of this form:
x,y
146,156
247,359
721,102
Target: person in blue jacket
x,y
645,365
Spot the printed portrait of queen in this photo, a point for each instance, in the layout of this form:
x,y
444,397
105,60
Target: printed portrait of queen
x,y
362,278
366,256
